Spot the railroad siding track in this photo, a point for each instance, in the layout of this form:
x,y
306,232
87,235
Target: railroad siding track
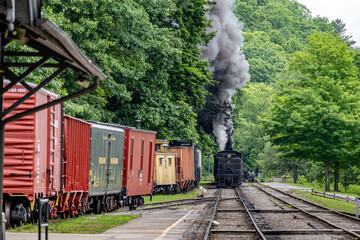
x,y
338,222
180,202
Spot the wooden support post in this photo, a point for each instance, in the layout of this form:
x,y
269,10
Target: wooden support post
x,y
356,207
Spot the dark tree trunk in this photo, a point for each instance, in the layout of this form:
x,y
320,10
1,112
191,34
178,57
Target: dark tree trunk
x,y
295,167
336,177
327,181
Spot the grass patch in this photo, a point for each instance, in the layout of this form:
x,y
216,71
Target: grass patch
x,y
322,189
335,204
204,183
163,198
85,224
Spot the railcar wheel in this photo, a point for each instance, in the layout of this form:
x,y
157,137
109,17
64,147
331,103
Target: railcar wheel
x,y
8,213
141,201
98,206
28,215
81,210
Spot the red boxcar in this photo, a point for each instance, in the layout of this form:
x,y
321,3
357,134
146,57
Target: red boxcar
x,y
184,164
75,177
32,165
138,171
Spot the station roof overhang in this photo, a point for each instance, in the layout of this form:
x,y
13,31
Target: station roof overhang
x,y
44,35
47,41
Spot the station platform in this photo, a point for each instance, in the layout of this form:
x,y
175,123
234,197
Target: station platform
x,y
155,225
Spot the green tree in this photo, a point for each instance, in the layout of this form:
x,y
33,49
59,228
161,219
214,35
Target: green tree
x,y
316,114
266,58
251,102
340,29
273,29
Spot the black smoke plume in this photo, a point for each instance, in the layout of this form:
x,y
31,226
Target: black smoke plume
x,y
230,71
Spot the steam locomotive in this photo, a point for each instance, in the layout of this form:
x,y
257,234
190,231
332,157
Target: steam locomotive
x,y
228,167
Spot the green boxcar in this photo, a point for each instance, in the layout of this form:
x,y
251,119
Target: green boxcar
x,y
106,163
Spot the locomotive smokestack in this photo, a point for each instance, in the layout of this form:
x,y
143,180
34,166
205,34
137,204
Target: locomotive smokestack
x,y
229,144
138,123
230,141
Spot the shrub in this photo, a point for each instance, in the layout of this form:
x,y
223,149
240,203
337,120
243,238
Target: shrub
x,y
354,189
302,180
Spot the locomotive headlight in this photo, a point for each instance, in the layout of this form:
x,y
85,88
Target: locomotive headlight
x,y
229,156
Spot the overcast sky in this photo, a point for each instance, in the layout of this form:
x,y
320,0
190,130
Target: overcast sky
x,y
346,10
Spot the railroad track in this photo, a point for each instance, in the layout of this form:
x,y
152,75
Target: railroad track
x,y
167,204
232,218
338,223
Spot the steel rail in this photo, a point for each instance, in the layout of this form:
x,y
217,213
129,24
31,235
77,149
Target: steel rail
x,y
186,200
176,204
180,200
258,231
206,236
308,213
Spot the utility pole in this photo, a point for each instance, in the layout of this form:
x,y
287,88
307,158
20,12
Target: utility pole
x,y
208,155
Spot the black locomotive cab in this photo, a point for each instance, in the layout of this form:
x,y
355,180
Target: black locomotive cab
x,y
227,168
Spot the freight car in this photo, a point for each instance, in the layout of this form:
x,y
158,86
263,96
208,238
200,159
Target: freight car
x,y
138,164
76,155
164,168
228,168
138,167
106,164
32,166
187,164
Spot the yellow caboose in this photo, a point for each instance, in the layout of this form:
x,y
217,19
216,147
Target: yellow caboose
x,y
164,170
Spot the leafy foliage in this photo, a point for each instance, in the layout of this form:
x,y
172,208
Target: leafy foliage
x,y
274,29
316,114
250,139
149,49
275,32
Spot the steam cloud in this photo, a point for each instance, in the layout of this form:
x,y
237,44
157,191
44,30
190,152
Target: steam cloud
x,y
230,70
